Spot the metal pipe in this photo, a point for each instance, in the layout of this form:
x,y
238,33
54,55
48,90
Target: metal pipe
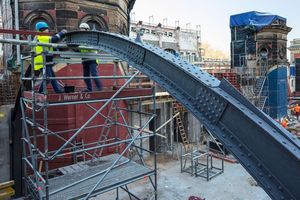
x,y
17,28
81,77
87,101
134,111
164,124
94,101
29,147
101,146
129,193
136,148
34,147
40,127
155,140
32,43
118,159
87,122
30,165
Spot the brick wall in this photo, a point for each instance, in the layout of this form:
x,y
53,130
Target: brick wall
x,y
110,15
9,86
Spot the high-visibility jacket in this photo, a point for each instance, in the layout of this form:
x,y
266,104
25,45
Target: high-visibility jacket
x,y
89,51
38,60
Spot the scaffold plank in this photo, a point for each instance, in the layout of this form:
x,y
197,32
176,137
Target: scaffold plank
x,y
124,174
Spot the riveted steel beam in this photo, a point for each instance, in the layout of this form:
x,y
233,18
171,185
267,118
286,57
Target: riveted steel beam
x,y
266,150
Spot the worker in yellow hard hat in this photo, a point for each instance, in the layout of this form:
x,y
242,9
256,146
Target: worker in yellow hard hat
x,y
284,123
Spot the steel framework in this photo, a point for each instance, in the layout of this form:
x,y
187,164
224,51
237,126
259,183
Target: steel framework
x,y
96,173
266,150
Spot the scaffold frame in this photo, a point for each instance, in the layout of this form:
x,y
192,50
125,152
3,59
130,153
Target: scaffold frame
x,y
39,183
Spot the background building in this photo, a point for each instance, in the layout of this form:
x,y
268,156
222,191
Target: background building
x,y
259,52
185,42
110,16
295,63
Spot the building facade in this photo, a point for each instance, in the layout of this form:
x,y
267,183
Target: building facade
x,y
258,43
184,42
259,51
295,64
112,16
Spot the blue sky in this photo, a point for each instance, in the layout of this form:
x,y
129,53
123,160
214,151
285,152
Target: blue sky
x,y
213,15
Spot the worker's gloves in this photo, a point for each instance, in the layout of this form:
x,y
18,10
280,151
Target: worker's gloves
x,y
64,31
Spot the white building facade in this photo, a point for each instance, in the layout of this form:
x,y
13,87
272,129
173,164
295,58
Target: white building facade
x,y
176,40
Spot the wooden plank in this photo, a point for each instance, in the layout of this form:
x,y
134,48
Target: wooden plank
x,y
6,192
6,184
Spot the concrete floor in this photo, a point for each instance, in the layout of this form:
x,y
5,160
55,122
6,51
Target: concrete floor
x,y
234,184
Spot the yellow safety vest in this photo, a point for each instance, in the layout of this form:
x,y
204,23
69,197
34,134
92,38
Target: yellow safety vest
x,y
90,51
38,60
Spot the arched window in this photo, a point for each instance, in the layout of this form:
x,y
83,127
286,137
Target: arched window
x,y
38,16
95,22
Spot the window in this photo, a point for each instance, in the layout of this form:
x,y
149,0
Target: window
x,y
95,22
147,31
133,29
153,32
94,25
170,34
166,33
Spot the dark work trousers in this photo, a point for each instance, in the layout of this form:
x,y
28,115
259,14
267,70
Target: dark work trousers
x,y
50,73
90,69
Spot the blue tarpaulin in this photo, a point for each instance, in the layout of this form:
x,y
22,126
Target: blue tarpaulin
x,y
258,20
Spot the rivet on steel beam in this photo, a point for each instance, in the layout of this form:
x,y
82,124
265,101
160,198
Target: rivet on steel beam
x,y
269,175
259,165
269,188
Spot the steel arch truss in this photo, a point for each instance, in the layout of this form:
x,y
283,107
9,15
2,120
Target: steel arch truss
x,y
267,151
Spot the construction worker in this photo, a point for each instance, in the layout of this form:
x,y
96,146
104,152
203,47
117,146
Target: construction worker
x,y
89,65
284,123
297,111
38,59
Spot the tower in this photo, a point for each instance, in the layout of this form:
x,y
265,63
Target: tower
x,y
258,39
259,53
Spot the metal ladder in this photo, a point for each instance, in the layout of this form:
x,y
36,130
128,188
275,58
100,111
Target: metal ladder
x,y
77,156
260,93
176,109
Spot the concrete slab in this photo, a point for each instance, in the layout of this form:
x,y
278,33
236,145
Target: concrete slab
x,y
234,184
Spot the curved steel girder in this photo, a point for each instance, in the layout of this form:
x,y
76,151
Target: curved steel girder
x,y
266,150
